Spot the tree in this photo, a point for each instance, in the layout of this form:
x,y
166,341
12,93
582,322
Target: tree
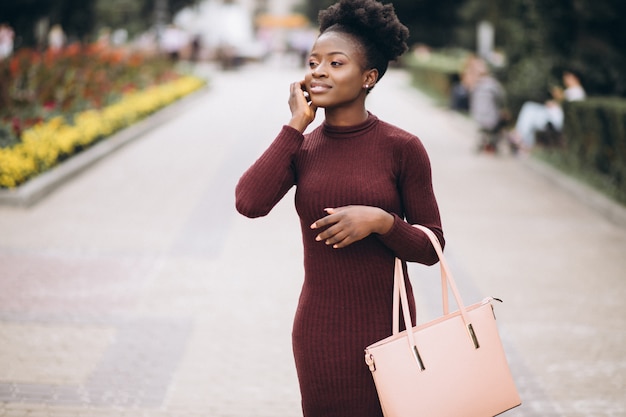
x,y
127,14
593,41
136,16
542,38
80,19
23,16
429,21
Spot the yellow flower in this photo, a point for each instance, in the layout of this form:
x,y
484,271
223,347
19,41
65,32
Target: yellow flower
x,y
43,144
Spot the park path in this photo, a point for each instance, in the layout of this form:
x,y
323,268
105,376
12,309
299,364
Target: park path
x,y
136,289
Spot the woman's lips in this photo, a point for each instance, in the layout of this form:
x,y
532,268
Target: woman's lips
x,y
319,88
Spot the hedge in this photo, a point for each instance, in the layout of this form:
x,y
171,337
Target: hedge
x,y
433,73
594,150
595,143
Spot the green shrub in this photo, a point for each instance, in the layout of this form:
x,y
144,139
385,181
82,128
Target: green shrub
x,y
595,145
528,80
433,73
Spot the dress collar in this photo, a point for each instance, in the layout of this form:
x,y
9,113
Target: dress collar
x,y
344,132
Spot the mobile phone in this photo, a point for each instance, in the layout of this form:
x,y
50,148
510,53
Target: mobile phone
x,y
306,94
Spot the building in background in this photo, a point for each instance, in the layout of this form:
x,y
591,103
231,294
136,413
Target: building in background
x,y
240,30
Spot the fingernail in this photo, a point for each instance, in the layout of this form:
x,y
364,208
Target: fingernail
x,y
318,238
314,226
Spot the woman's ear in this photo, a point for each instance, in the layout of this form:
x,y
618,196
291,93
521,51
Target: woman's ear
x,y
371,77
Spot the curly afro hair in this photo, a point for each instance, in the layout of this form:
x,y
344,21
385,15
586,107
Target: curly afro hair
x,y
375,25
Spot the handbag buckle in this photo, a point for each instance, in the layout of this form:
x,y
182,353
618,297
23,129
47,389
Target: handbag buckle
x,y
472,334
418,358
369,360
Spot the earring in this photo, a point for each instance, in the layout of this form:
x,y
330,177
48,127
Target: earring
x,y
367,86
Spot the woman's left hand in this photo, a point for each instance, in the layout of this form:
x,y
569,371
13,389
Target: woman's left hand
x,y
350,224
302,111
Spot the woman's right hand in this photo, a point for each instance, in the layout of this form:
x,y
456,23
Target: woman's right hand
x,y
302,111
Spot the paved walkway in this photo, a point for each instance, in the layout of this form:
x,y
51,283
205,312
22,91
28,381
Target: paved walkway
x,y
137,290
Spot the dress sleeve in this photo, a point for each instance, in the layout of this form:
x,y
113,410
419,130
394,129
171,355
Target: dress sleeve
x,y
267,181
420,207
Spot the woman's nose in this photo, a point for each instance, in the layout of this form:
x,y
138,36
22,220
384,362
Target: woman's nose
x,y
318,71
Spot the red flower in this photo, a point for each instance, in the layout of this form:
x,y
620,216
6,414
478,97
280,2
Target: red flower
x,y
73,50
16,125
14,66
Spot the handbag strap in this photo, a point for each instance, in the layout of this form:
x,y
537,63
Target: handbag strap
x,y
446,278
444,286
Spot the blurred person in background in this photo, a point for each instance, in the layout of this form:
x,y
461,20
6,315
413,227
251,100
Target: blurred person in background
x,y
461,84
56,38
6,41
173,41
535,117
196,48
487,105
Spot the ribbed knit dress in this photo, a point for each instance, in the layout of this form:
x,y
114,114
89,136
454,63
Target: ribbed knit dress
x,y
346,299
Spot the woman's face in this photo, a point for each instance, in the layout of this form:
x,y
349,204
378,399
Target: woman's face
x,y
337,76
569,79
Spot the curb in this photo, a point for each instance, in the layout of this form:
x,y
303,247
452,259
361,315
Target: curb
x,y
611,210
605,206
43,184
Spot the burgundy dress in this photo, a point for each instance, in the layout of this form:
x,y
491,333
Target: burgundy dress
x,y
346,298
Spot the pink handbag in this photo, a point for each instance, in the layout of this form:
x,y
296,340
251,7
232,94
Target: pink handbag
x,y
453,366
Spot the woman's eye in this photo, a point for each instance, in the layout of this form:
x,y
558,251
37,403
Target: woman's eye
x,y
335,63
312,64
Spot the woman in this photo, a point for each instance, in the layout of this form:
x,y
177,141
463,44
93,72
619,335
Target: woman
x,y
360,184
535,117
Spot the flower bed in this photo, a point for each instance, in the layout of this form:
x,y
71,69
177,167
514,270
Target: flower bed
x,y
45,144
54,104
